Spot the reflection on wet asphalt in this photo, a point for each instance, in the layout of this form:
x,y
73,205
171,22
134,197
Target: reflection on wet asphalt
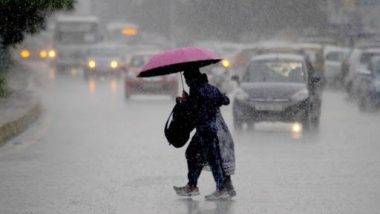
x,y
93,151
193,206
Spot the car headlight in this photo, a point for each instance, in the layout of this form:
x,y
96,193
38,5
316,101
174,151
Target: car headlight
x,y
91,64
301,95
43,54
241,95
114,64
225,63
25,54
52,54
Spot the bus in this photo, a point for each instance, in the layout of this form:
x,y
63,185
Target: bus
x,y
73,36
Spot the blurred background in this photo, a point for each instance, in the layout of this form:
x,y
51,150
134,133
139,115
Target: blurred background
x,y
241,21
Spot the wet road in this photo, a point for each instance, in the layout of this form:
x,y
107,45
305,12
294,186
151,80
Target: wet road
x,y
94,152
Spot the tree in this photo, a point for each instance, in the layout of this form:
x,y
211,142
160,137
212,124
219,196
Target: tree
x,y
19,17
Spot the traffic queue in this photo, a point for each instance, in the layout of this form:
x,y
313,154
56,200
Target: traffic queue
x,y
268,81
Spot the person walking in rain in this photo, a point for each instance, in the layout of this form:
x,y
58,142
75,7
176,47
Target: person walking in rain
x,y
212,143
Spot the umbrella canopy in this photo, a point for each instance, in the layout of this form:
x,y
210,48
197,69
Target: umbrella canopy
x,y
177,60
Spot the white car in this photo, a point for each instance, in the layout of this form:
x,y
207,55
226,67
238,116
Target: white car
x,y
334,57
358,63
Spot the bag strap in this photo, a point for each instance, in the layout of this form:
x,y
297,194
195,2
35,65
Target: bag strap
x,y
167,121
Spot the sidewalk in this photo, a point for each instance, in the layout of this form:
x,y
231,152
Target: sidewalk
x,y
20,109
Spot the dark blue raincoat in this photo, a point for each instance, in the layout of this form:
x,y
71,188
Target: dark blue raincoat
x,y
212,134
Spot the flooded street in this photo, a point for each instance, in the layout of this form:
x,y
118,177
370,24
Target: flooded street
x,y
93,151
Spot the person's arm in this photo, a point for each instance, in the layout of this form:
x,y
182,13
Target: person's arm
x,y
190,103
221,99
224,99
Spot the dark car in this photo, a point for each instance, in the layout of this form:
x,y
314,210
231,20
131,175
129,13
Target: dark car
x,y
369,88
278,87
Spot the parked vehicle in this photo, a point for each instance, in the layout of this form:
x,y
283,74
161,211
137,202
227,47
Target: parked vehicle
x,y
167,84
369,88
334,56
278,87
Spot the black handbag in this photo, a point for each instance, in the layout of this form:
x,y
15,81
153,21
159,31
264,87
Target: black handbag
x,y
179,126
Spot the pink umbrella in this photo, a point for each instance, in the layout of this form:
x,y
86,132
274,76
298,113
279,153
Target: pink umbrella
x,y
177,60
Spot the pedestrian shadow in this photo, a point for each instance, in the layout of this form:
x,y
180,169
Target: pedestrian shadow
x,y
208,207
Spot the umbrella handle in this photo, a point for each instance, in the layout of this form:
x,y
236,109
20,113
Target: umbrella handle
x,y
181,75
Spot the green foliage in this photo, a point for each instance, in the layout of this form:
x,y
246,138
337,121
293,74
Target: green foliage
x,y
3,86
19,17
5,63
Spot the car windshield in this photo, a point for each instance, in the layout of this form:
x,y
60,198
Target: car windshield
x,y
275,71
107,52
76,37
77,33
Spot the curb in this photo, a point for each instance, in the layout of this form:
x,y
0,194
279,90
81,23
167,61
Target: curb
x,y
16,127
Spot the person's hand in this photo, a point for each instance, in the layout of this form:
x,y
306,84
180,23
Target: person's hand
x,y
183,98
178,100
185,95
